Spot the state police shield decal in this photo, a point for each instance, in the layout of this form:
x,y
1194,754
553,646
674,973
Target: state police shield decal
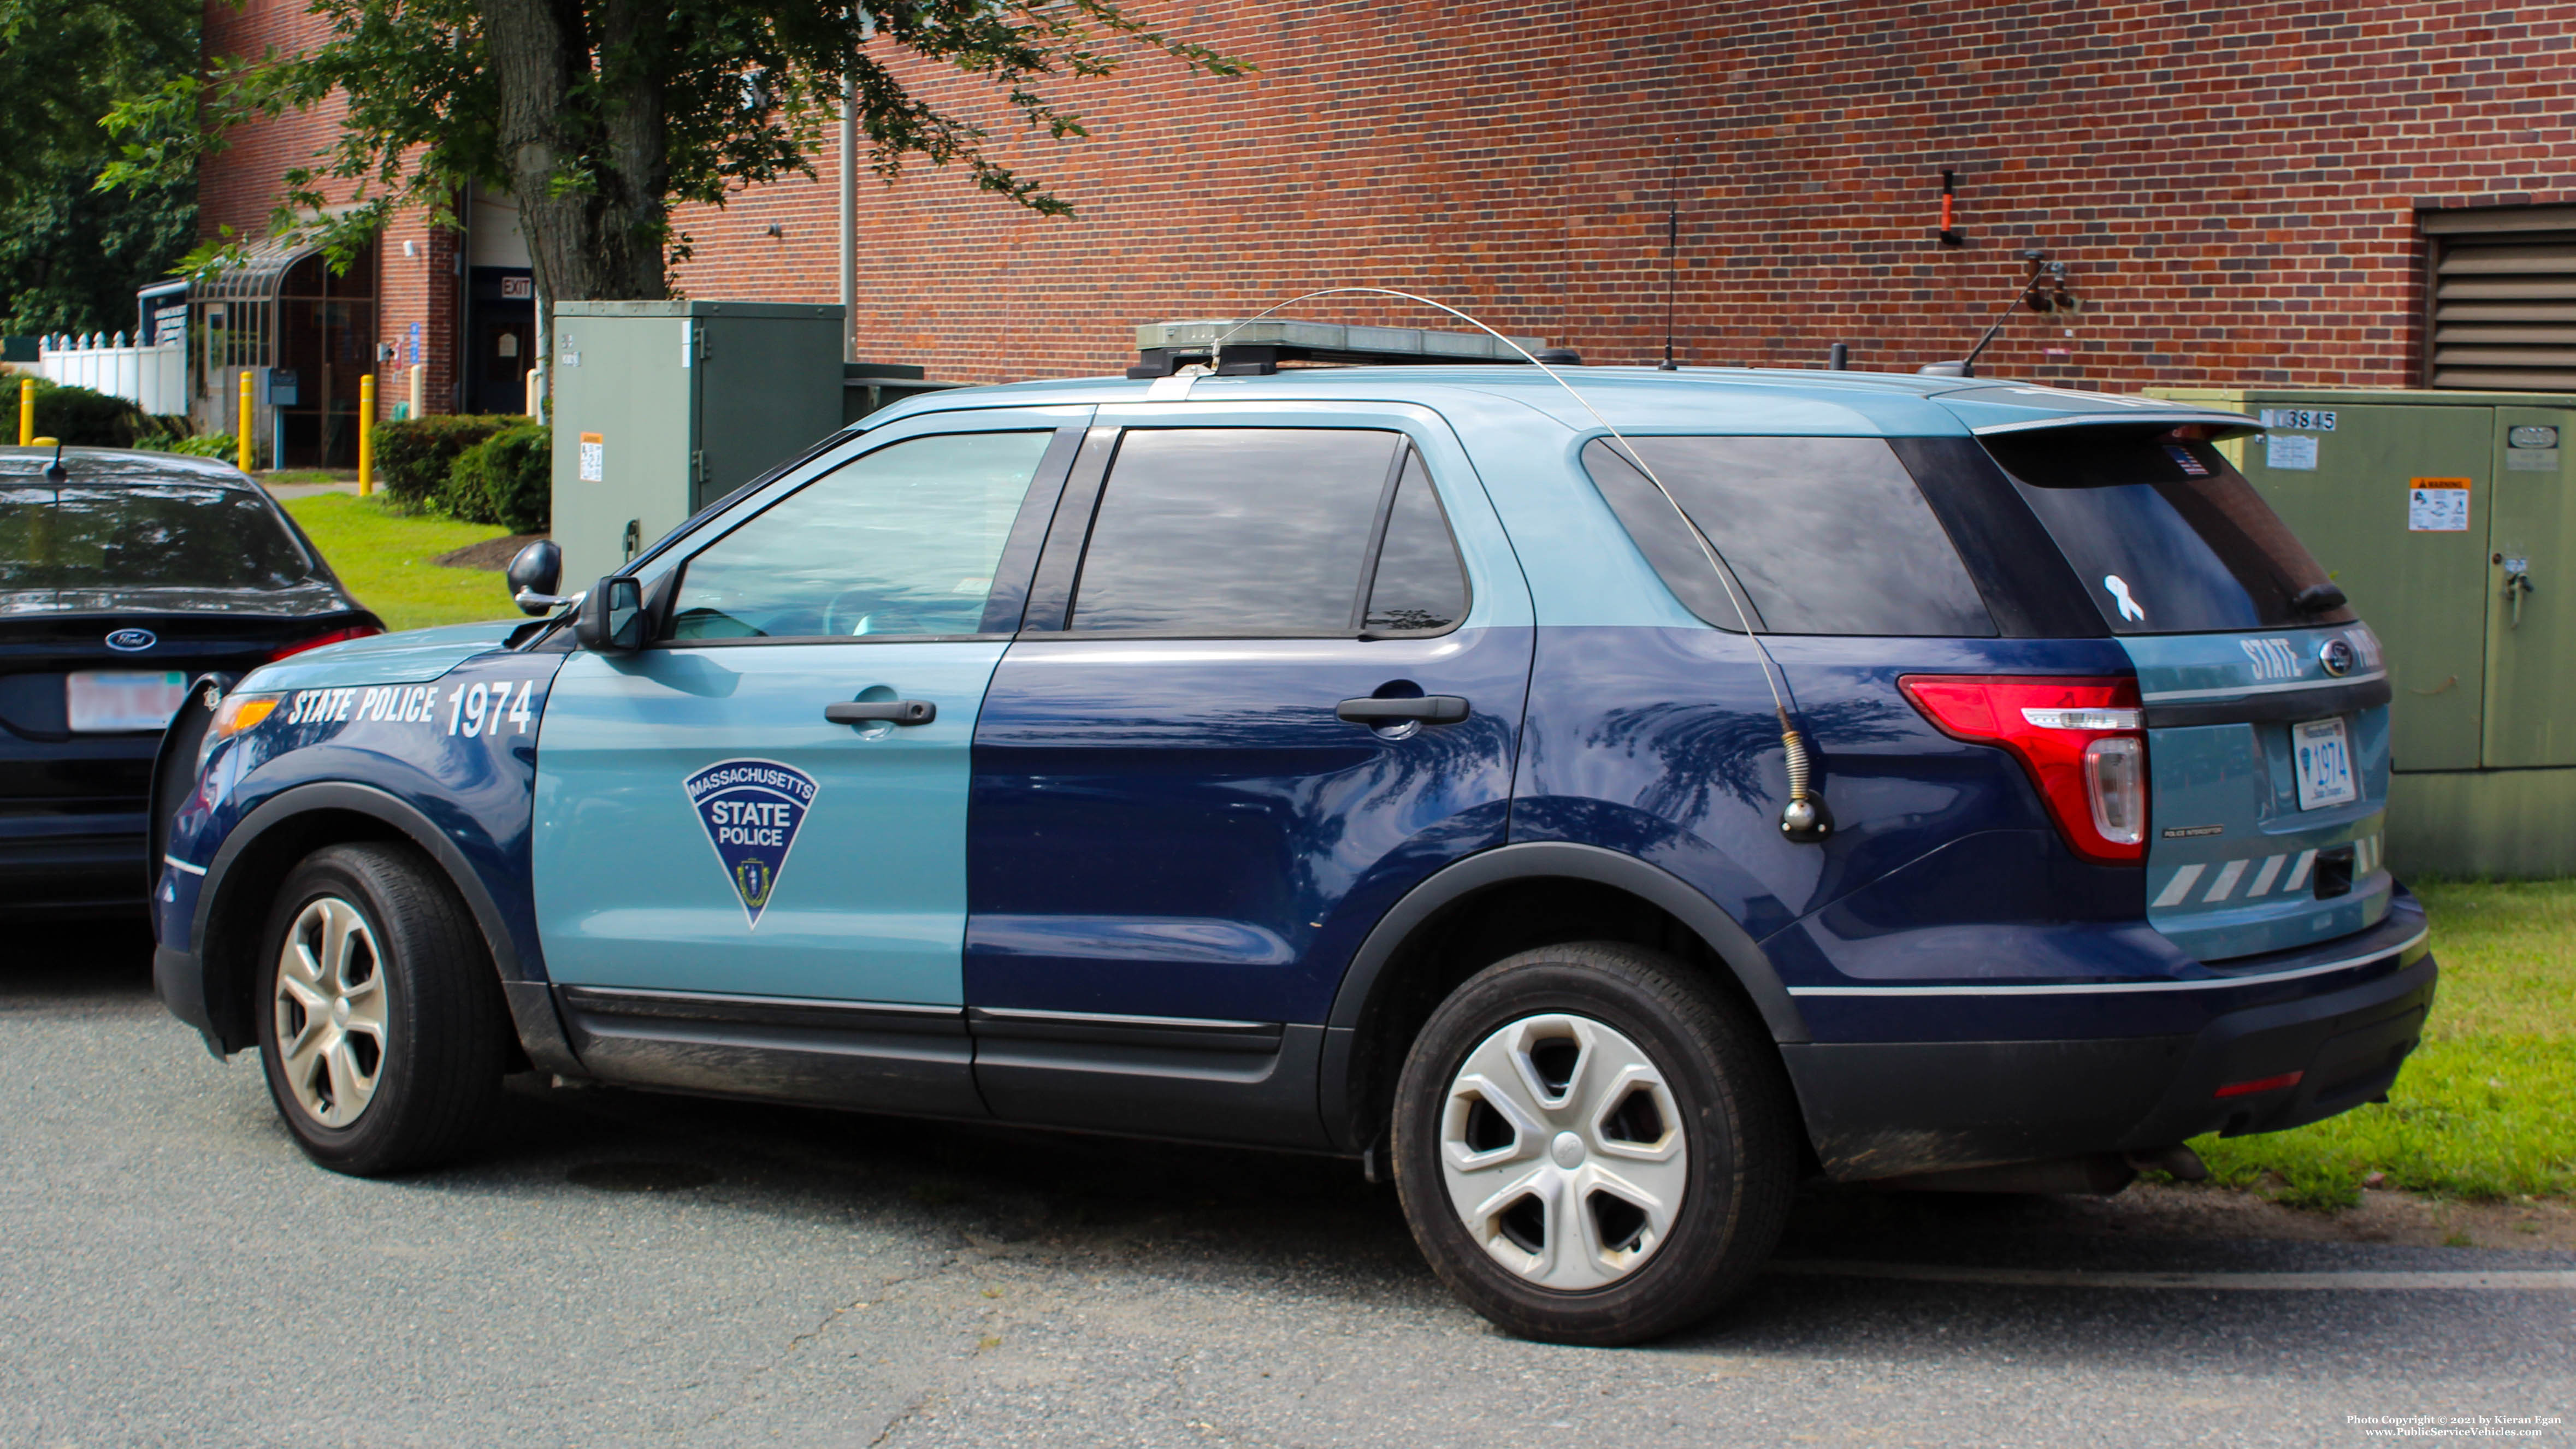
x,y
752,810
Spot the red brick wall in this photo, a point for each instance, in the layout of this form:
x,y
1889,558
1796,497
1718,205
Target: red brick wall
x,y
2233,189
239,188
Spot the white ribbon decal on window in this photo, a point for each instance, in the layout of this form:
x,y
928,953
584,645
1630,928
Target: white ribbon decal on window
x,y
2129,607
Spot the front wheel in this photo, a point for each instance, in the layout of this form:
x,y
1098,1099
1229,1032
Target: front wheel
x,y
1593,1145
381,1026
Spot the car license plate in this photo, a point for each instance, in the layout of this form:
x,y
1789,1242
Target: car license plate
x,y
104,701
2323,754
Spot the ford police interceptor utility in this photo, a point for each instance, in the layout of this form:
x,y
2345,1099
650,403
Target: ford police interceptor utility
x,y
1598,811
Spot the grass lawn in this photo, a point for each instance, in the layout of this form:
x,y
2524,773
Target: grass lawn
x,y
2486,1107
384,558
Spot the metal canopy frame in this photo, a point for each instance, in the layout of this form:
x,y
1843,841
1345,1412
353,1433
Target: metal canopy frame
x,y
246,334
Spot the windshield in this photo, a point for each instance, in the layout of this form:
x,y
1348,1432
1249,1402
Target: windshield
x,y
2168,537
107,537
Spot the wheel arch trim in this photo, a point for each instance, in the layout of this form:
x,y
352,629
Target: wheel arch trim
x,y
532,1011
1537,860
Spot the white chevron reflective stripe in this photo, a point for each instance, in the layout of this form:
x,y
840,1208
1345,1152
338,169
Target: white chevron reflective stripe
x,y
2225,885
2369,853
2299,872
2179,887
2263,878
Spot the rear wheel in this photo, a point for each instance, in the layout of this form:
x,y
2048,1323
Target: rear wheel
x,y
1592,1144
381,1027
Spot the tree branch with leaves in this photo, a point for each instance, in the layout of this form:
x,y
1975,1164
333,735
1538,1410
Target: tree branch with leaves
x,y
599,116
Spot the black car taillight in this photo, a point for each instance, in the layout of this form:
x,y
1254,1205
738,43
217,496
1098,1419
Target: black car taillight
x,y
2083,741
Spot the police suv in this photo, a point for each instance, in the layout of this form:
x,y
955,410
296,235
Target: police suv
x,y
1599,803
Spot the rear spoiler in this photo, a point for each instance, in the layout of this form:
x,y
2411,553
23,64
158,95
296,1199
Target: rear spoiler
x,y
2212,423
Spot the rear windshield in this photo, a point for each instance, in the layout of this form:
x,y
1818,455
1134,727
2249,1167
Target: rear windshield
x,y
94,536
2166,535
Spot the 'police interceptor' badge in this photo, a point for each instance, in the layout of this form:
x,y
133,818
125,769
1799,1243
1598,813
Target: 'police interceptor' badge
x,y
752,810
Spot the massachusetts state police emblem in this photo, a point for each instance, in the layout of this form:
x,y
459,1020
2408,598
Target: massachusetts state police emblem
x,y
752,810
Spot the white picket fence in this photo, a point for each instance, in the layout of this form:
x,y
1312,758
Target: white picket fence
x,y
155,377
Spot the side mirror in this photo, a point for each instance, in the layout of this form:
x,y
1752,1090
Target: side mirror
x,y
611,620
535,575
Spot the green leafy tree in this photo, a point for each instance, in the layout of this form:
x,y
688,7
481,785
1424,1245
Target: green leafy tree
x,y
597,116
71,255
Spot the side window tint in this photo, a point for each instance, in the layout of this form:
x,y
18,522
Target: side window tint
x,y
1233,531
1824,535
902,541
1421,587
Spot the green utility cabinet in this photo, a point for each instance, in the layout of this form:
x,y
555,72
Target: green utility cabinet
x,y
2449,519
660,408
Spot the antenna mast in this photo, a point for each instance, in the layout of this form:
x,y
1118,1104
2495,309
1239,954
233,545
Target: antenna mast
x,y
1672,264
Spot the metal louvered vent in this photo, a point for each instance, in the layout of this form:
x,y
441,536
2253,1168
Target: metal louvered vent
x,y
2501,299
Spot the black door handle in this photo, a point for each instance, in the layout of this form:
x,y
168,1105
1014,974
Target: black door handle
x,y
1428,708
874,711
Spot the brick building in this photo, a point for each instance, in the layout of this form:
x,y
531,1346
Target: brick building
x,y
2246,194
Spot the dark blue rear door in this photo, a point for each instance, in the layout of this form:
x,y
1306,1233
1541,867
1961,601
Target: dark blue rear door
x,y
1177,840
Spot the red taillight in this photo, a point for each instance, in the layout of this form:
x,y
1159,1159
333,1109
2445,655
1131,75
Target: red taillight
x,y
2259,1084
354,631
2082,740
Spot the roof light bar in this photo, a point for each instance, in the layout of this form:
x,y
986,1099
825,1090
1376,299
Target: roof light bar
x,y
1259,346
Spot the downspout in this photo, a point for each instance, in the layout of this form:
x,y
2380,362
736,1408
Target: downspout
x,y
849,239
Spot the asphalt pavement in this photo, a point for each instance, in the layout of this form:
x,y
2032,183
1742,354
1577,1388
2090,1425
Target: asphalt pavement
x,y
618,1268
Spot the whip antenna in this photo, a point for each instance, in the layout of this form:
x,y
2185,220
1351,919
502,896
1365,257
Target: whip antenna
x,y
1804,818
1672,268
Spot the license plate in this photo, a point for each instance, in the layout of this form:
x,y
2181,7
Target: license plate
x,y
104,701
2323,754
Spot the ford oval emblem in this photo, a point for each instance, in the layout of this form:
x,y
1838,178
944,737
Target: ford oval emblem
x,y
2336,657
132,641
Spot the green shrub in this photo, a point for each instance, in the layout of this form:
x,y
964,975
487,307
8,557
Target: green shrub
x,y
507,479
174,433
413,455
204,445
83,418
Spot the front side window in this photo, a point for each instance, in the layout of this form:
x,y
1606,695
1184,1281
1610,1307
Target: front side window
x,y
1268,533
2166,535
900,542
1822,535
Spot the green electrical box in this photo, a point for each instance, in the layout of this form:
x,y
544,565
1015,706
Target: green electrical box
x,y
2449,519
660,408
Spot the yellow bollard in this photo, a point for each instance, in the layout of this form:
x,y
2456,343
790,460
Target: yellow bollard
x,y
241,436
26,411
366,435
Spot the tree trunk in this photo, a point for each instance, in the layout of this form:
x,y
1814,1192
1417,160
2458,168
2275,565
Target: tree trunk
x,y
603,237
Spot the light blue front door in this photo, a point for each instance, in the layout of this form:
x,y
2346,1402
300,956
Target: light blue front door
x,y
812,859
702,827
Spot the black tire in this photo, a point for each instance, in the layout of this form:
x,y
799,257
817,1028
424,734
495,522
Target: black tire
x,y
443,1026
1736,1123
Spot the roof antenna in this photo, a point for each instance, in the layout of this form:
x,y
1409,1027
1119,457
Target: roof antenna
x,y
1672,264
1805,818
55,473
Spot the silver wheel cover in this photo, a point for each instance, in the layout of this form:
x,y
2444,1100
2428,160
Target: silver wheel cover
x,y
331,1012
1562,1151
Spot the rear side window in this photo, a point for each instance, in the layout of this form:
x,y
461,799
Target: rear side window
x,y
155,536
1421,587
1268,533
1822,535
2167,537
